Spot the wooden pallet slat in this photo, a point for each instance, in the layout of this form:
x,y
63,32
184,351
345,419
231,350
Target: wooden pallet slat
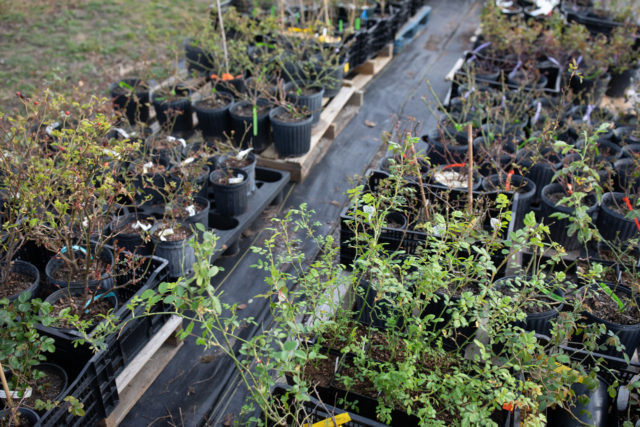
x,y
142,371
367,71
342,108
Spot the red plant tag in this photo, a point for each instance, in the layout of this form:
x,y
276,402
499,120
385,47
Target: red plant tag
x,y
509,179
455,165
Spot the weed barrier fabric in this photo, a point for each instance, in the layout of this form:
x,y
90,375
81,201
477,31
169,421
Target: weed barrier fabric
x,y
202,387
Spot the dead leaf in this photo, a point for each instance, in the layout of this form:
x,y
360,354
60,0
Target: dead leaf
x,y
227,420
370,123
335,203
242,306
207,358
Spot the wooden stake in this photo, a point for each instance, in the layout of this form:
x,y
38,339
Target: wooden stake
x,y
224,37
7,393
470,166
326,11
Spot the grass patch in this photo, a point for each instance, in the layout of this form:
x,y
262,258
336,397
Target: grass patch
x,y
65,43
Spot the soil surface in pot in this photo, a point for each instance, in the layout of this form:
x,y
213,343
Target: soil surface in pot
x,y
247,110
608,275
46,388
538,303
175,94
130,227
77,305
622,210
225,180
4,420
382,350
337,341
188,172
179,233
320,372
232,162
15,284
630,280
215,102
600,304
624,258
163,143
288,117
559,195
67,273
157,168
363,386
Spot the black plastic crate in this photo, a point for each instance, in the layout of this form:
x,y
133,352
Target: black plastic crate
x,y
548,68
319,411
97,380
92,382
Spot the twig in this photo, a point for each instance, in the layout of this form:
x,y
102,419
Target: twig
x,y
419,175
7,392
470,166
224,37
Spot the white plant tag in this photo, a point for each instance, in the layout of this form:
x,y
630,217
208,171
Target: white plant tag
x,y
164,233
50,128
241,155
369,210
495,223
122,132
182,142
85,222
237,180
14,394
191,210
171,138
146,167
188,160
144,227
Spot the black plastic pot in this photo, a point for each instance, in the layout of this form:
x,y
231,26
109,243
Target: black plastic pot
x,y
201,182
441,310
333,79
619,82
198,59
105,282
291,138
174,115
28,417
538,322
179,253
627,175
27,269
57,370
373,310
214,122
612,225
591,408
111,297
558,227
630,151
201,217
242,124
250,169
135,105
525,194
230,199
518,79
150,186
312,102
132,242
540,172
445,152
629,335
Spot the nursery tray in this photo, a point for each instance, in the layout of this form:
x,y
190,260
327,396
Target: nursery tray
x,y
335,116
552,71
92,382
271,184
411,29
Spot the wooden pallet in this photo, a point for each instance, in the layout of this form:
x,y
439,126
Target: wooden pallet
x,y
367,71
411,29
335,116
142,371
